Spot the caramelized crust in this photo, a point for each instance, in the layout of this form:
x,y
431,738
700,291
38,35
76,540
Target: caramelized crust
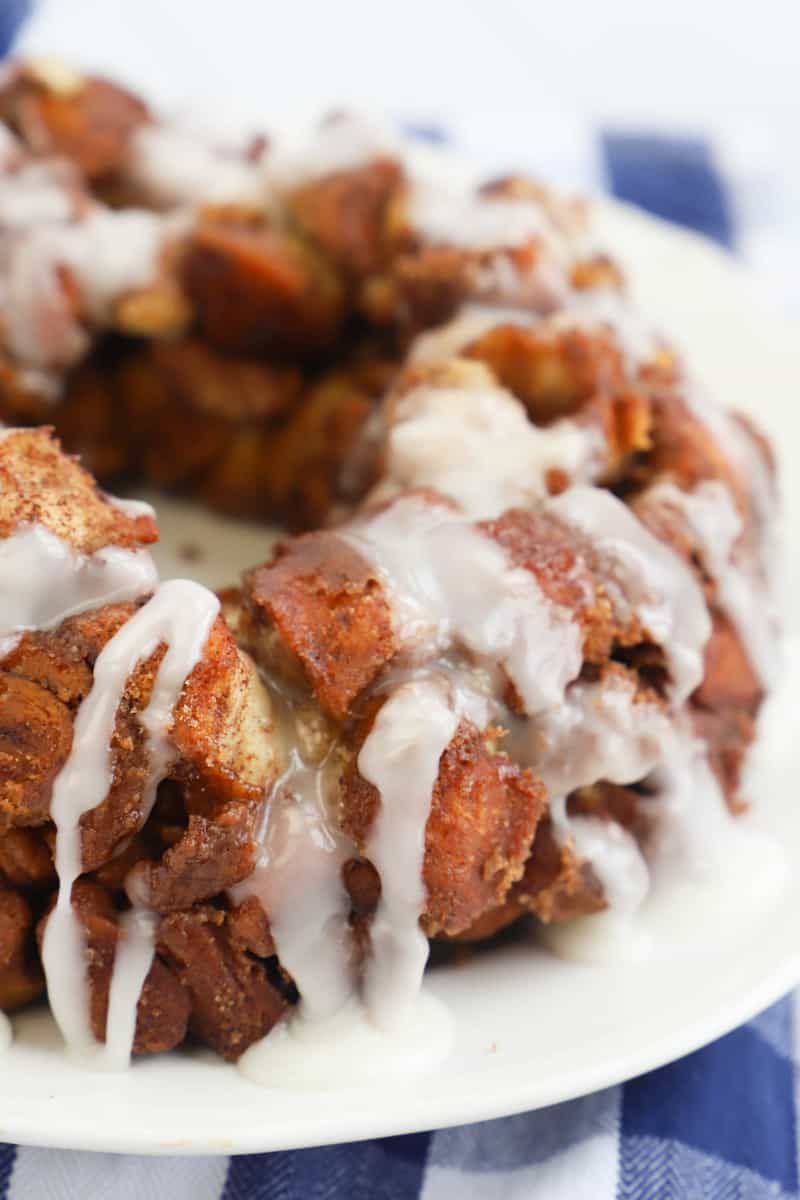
x,y
255,289
318,614
21,979
210,856
348,214
233,1002
683,449
562,564
484,811
729,681
57,111
308,454
26,861
164,1004
424,288
40,484
572,372
553,374
557,885
224,754
35,739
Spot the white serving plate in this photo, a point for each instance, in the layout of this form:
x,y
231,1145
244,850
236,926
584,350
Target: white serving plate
x,y
530,1029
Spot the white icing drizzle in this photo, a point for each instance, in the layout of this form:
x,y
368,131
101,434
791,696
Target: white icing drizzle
x,y
43,580
644,574
348,1051
600,731
475,443
131,508
107,253
180,614
696,875
471,322
463,217
694,827
597,307
616,860
452,585
343,142
401,759
586,310
132,962
710,515
39,324
113,253
741,448
175,166
298,881
37,193
11,152
47,385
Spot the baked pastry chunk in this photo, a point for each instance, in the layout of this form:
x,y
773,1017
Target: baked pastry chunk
x,y
507,664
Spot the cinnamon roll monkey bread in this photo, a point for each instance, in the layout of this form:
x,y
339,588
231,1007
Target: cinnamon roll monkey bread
x,y
505,661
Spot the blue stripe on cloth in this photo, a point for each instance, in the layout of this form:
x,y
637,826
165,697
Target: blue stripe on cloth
x,y
655,1169
384,1169
672,177
12,14
730,1101
427,132
8,1156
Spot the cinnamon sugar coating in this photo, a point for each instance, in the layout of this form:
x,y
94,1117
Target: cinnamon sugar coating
x,y
264,366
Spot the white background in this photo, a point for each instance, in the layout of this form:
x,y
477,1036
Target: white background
x,y
627,59
519,81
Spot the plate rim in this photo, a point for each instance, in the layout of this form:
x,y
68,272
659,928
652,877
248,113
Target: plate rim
x,y
522,1090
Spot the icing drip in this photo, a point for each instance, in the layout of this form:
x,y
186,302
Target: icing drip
x,y
43,580
134,957
107,254
131,508
448,340
36,193
600,731
616,860
463,217
401,759
180,614
348,1050
597,307
643,574
452,585
742,591
694,828
343,142
696,875
11,153
753,469
298,881
174,166
587,310
476,445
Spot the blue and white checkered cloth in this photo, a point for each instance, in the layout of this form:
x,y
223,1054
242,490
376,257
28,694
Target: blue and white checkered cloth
x,y
720,1124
